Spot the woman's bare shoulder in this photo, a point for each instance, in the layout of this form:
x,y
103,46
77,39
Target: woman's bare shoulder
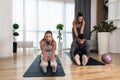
x,y
42,42
74,21
53,42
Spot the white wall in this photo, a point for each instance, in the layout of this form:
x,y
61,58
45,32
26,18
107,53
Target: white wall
x,y
114,15
5,28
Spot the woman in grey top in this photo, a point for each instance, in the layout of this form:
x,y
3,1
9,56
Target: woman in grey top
x,y
48,47
78,25
80,50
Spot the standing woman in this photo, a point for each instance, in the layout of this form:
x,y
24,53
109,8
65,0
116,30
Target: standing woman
x,y
78,25
48,47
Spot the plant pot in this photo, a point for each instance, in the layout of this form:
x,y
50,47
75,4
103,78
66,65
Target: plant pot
x,y
103,42
14,47
60,46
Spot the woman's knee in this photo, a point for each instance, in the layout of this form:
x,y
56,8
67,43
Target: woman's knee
x,y
53,63
43,63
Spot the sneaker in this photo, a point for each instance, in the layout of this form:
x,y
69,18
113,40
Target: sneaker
x,y
77,59
84,60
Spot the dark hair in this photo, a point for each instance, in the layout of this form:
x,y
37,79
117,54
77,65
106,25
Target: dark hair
x,y
79,14
81,36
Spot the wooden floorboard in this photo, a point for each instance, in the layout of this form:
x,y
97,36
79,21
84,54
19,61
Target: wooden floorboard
x,y
14,68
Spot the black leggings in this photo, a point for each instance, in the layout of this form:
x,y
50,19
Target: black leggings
x,y
80,52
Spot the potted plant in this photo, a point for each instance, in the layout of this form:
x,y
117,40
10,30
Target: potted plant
x,y
104,30
15,34
59,27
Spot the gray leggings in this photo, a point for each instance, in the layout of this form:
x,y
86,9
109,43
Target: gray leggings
x,y
45,63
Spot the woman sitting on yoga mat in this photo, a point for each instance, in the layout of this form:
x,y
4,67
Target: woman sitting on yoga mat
x,y
48,47
80,51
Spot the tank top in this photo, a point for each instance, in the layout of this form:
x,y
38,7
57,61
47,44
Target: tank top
x,y
78,28
48,48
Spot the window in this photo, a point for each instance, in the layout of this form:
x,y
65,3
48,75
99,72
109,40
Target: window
x,y
37,16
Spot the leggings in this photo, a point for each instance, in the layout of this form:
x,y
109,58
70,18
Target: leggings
x,y
80,52
45,64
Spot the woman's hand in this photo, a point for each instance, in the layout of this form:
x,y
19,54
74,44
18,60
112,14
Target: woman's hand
x,y
45,58
52,58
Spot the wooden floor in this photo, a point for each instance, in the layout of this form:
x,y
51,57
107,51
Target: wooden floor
x,y
14,68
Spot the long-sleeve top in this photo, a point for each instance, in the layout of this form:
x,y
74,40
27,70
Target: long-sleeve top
x,y
75,45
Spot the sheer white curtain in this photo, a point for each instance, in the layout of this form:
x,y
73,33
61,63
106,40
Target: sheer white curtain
x,y
37,16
